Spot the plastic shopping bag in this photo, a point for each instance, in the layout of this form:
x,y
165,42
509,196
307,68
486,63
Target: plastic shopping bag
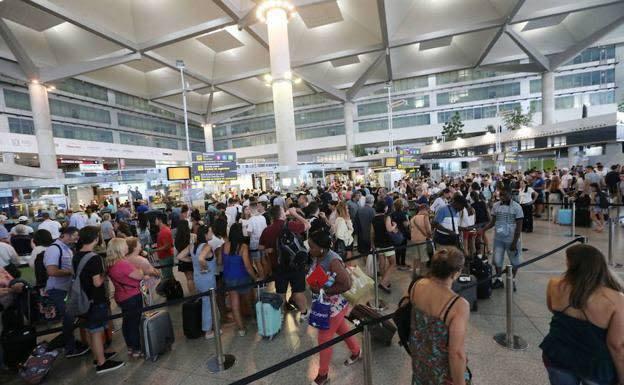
x,y
320,313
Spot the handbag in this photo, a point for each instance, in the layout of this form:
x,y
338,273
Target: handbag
x,y
340,248
447,239
320,312
397,238
361,285
428,242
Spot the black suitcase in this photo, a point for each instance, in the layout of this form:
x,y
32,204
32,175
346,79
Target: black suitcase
x,y
382,332
482,270
466,286
17,346
192,318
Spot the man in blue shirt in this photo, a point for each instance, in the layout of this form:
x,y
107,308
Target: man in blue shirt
x,y
538,185
58,262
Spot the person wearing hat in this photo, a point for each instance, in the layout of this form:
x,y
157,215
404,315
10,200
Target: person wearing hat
x,y
22,227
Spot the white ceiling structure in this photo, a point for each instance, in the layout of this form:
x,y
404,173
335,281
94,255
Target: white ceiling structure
x,y
339,47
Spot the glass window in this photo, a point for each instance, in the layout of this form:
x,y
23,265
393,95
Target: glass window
x,y
536,105
256,140
564,102
147,124
219,131
527,144
594,54
556,141
21,126
466,75
480,93
79,87
168,143
477,112
198,146
310,100
249,126
320,132
598,98
220,145
135,102
535,86
196,132
135,140
397,122
309,117
380,107
585,79
81,133
78,111
17,100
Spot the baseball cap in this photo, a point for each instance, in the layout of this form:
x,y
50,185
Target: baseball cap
x,y
23,218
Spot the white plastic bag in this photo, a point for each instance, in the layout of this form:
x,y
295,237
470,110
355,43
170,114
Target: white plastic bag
x,y
370,266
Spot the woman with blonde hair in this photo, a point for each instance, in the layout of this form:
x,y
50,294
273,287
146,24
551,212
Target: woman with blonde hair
x,y
126,278
555,197
343,228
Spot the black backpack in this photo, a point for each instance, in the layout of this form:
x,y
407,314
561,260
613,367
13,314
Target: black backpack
x,y
291,252
403,317
603,200
41,273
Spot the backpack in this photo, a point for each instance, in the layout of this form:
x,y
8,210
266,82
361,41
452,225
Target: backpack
x,y
78,303
291,252
403,318
41,273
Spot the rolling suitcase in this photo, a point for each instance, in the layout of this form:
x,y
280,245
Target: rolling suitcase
x,y
18,337
467,288
156,330
565,217
269,314
192,318
382,332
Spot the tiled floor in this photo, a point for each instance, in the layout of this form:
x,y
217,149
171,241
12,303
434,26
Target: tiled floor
x,y
490,363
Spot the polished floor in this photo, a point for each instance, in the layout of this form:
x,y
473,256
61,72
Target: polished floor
x,y
491,364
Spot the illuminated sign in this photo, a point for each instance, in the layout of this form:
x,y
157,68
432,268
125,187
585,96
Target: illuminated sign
x,y
213,166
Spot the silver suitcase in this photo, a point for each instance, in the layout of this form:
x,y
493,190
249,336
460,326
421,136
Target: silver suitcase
x,y
156,330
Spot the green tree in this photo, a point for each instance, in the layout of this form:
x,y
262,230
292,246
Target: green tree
x,y
515,119
359,150
453,128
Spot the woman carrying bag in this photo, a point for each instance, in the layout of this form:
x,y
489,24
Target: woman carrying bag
x,y
339,281
421,234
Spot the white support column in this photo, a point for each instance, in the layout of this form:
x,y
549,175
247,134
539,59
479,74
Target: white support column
x,y
277,25
43,127
548,98
348,125
208,137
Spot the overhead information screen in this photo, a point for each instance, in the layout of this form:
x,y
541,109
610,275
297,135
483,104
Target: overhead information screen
x,y
178,173
408,158
213,166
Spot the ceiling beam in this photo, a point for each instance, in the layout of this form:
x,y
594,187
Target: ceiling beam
x,y
242,76
338,55
383,25
12,70
222,116
187,33
248,19
23,59
573,6
52,74
73,18
171,64
355,89
330,90
528,49
514,11
237,18
236,95
525,67
177,91
563,57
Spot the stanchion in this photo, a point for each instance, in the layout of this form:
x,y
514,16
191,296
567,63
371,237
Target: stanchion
x,y
377,303
220,361
548,208
573,225
507,338
367,356
610,224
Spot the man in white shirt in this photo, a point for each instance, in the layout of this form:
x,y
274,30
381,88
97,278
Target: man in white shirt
x,y
78,220
441,201
231,212
7,254
255,226
279,200
53,227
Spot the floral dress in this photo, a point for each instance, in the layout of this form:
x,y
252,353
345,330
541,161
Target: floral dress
x,y
429,347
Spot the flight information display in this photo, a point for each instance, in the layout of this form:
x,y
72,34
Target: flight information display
x,y
213,166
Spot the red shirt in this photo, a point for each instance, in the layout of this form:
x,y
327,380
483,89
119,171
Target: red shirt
x,y
270,234
164,238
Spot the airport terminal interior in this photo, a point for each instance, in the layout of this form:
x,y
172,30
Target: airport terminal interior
x,y
231,192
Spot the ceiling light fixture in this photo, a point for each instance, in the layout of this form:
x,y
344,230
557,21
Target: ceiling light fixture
x,y
51,88
267,5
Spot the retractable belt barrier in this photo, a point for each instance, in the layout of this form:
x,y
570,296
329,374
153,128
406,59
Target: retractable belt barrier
x,y
506,338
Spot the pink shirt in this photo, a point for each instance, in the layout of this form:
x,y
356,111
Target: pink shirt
x,y
140,263
125,287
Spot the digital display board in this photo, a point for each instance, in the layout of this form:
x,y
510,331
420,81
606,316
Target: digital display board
x,y
213,166
178,173
408,161
390,162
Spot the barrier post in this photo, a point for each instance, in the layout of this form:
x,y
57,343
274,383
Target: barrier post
x,y
507,338
611,225
220,361
573,225
377,304
367,356
548,208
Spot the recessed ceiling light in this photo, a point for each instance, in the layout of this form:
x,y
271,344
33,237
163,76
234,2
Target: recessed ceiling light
x,y
436,43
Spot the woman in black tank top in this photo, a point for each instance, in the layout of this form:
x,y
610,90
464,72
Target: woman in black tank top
x,y
381,240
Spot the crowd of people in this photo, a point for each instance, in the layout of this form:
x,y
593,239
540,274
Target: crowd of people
x,y
238,241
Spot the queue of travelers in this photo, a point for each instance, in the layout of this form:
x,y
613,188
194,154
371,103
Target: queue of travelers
x,y
239,241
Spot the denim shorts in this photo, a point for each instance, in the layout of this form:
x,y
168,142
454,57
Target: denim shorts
x,y
256,255
502,247
97,318
238,282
